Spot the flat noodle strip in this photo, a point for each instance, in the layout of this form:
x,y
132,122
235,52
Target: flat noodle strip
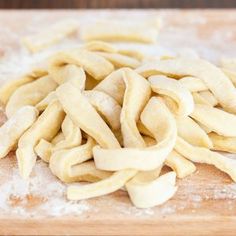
x,y
217,120
106,106
53,34
209,97
120,31
88,172
113,85
221,143
193,84
85,116
100,46
180,165
69,72
13,128
203,155
216,81
10,87
46,126
30,94
72,134
190,131
175,161
119,60
42,105
62,161
163,129
172,88
153,193
93,64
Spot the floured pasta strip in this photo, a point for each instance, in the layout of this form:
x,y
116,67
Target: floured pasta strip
x,y
10,87
221,143
143,32
217,120
190,131
93,64
13,128
204,155
46,127
175,161
152,193
106,106
119,60
204,70
62,161
180,165
205,98
193,84
30,94
113,85
42,105
72,134
88,172
51,35
209,97
172,88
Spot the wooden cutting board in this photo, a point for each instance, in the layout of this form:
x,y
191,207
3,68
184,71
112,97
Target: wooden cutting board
x,y
205,203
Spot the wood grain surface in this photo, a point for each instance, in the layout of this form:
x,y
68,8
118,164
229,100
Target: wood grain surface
x,y
205,203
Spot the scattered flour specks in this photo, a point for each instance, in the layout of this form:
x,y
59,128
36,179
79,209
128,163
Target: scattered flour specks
x,y
41,193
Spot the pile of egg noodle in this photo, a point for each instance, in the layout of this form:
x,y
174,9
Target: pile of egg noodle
x,y
114,118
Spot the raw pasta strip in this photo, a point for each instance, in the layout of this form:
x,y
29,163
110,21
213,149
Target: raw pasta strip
x,y
62,161
215,119
163,129
175,161
46,126
42,105
152,193
87,171
193,84
84,115
69,72
118,179
137,94
180,165
93,64
119,60
44,148
120,31
51,35
30,94
221,143
190,131
10,87
203,155
106,106
72,134
216,81
99,46
113,85
13,128
174,89
209,97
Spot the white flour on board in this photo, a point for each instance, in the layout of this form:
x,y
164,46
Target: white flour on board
x,y
44,194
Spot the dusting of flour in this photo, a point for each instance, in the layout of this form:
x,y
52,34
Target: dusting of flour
x,y
41,192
